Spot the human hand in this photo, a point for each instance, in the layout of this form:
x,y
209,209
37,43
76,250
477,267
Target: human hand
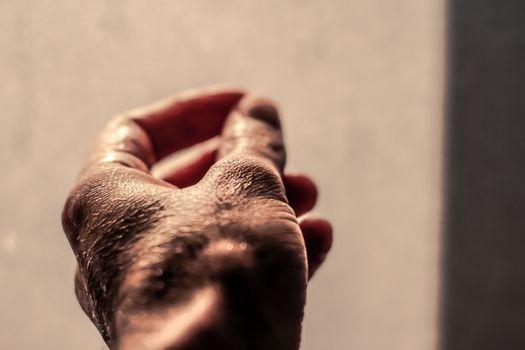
x,y
212,254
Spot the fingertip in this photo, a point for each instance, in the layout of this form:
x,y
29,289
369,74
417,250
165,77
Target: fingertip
x,y
319,232
301,192
318,238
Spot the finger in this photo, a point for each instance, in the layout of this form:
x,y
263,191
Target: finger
x,y
123,141
189,169
318,238
141,137
187,119
301,192
254,129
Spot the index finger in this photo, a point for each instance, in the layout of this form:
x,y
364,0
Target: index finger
x,y
187,119
143,136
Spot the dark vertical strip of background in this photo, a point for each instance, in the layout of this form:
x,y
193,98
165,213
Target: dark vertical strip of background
x,y
483,296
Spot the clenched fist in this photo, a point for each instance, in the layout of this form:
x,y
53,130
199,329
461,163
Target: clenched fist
x,y
209,256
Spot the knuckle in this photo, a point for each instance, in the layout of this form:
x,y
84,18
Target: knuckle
x,y
79,203
106,201
247,176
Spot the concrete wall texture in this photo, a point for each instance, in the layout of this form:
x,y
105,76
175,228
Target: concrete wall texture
x,y
360,86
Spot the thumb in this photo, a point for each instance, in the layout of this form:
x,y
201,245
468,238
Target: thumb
x,y
254,129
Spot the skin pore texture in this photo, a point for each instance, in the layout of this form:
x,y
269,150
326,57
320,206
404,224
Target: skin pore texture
x,y
211,255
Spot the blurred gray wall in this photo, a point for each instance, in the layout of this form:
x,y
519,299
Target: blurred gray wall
x,y
359,84
483,295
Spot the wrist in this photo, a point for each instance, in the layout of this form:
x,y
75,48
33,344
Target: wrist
x,y
177,326
244,299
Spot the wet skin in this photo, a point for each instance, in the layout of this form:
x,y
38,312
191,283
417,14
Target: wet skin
x,y
212,254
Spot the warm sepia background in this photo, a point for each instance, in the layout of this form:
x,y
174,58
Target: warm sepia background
x,y
360,86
